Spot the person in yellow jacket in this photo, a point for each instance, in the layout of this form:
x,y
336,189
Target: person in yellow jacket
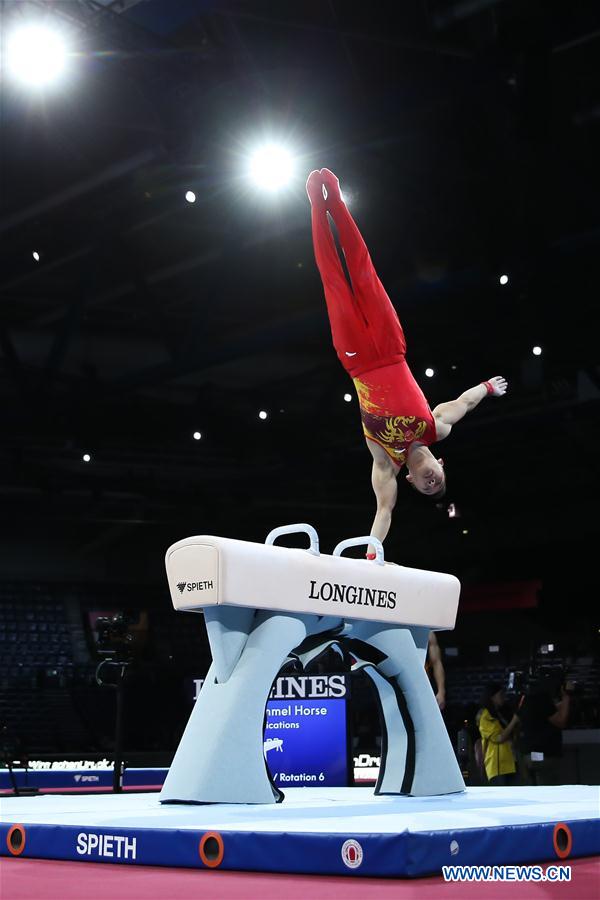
x,y
496,731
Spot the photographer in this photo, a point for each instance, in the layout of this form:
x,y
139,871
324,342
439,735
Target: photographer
x,y
542,721
496,728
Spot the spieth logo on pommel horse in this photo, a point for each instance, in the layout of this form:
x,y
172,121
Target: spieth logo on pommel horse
x,y
264,605
194,586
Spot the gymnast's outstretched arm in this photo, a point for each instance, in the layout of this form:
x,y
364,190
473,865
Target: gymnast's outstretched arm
x,y
448,414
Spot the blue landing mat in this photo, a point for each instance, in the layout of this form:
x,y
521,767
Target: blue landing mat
x,y
315,830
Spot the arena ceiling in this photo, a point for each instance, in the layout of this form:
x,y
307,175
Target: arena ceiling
x,y
466,135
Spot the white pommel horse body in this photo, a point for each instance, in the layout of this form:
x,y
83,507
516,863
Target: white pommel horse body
x,y
264,604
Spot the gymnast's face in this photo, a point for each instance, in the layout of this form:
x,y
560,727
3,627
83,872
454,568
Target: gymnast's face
x,y
428,477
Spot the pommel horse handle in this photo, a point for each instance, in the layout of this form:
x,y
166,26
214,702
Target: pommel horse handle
x,y
295,529
359,542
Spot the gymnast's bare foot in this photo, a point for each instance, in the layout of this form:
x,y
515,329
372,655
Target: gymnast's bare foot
x,y
332,184
314,188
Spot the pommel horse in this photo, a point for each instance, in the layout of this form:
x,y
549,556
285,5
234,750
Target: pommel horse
x,y
265,604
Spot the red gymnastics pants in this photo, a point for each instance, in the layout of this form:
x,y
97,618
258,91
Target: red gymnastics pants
x,y
365,327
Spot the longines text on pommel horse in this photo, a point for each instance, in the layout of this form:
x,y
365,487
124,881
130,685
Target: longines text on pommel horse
x,y
264,604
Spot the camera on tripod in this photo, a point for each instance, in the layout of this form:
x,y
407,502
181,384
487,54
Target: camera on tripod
x,y
116,646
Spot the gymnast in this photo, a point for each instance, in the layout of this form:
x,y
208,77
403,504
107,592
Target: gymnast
x,y
398,425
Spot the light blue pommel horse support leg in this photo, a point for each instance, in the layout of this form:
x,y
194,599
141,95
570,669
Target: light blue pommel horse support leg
x,y
264,604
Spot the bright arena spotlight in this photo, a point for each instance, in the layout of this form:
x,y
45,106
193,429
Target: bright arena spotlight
x,y
36,55
272,167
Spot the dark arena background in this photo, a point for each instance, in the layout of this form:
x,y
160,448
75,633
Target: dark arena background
x,y
167,370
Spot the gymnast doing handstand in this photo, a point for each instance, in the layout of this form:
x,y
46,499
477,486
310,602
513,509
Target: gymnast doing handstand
x,y
398,424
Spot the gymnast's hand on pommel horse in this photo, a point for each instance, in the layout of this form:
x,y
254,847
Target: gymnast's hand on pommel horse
x,y
398,425
264,605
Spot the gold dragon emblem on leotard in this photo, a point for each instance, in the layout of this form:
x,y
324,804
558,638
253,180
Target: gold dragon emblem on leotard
x,y
393,433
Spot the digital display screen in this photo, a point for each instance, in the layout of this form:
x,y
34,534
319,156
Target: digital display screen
x,y
305,742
